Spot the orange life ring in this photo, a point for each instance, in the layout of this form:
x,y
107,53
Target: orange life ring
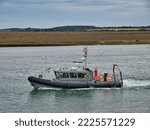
x,y
109,78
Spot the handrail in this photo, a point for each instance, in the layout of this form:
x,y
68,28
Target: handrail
x,y
120,73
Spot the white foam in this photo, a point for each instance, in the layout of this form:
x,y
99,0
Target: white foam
x,y
135,83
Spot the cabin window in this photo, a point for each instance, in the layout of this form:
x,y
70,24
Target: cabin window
x,y
81,75
73,75
62,75
65,75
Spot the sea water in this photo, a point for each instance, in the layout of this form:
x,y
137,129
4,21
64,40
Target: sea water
x,y
18,63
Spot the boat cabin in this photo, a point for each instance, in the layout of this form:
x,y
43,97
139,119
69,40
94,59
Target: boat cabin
x,y
85,74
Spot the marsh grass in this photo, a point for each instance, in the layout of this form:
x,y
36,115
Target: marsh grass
x,y
72,38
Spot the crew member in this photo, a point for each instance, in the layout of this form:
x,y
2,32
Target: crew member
x,y
96,75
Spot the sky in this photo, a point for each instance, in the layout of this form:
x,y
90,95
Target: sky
x,y
52,13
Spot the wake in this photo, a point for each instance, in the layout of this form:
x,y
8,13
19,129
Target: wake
x,y
135,83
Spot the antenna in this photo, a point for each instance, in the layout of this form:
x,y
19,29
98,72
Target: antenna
x,y
85,50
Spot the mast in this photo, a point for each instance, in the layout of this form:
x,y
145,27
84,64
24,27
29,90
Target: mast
x,y
85,50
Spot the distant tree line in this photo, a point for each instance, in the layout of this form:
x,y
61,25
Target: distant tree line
x,y
73,28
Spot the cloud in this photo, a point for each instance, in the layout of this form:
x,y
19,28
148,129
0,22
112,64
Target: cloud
x,y
126,7
147,3
79,3
91,6
62,12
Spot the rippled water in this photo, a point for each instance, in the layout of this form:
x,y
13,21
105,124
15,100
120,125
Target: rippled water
x,y
17,63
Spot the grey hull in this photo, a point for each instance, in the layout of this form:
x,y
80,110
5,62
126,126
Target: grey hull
x,y
38,82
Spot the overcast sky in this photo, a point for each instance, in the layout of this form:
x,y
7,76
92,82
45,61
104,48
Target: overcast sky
x,y
51,13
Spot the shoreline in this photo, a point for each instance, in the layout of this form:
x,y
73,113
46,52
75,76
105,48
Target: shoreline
x,y
27,39
44,45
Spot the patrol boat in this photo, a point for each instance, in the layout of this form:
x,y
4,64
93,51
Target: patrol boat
x,y
79,77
